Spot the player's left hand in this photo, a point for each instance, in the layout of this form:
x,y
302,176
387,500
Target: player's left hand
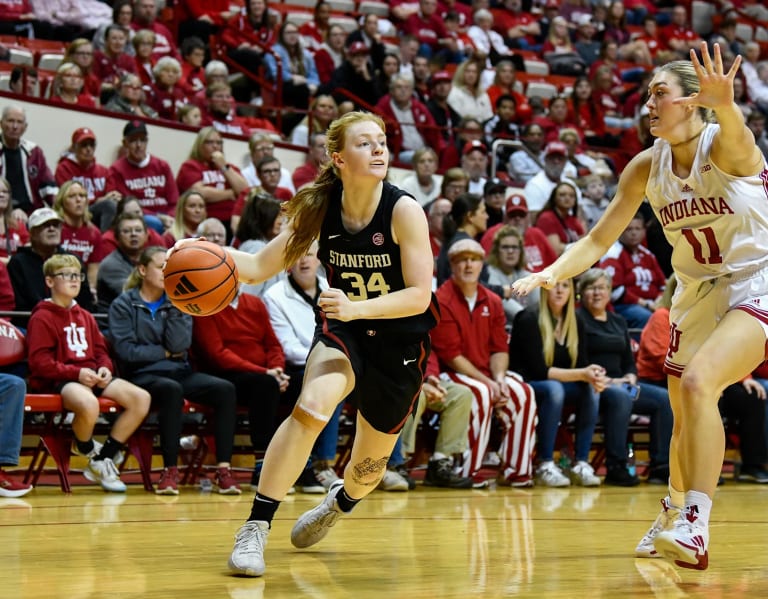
x,y
105,377
336,305
716,86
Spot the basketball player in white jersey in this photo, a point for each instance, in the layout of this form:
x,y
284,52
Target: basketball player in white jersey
x,y
708,184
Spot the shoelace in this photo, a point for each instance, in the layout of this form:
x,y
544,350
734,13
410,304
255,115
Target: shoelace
x,y
110,469
250,540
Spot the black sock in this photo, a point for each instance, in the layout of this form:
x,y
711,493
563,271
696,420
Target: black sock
x,y
110,449
84,447
264,508
346,503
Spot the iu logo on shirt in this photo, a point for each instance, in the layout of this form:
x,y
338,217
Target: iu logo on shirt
x,y
76,339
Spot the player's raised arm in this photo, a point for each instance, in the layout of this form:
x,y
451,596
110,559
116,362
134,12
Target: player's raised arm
x,y
590,248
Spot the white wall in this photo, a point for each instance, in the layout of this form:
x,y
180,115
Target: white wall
x,y
52,127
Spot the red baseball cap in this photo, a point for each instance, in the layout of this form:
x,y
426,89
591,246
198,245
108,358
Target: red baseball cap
x,y
473,145
440,76
81,134
555,147
357,48
516,204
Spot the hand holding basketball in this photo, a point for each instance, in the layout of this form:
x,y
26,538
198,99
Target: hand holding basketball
x,y
200,277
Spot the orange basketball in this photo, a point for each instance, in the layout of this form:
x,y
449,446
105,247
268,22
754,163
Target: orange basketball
x,y
200,278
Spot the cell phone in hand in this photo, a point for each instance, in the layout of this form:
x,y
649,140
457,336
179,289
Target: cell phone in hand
x,y
632,390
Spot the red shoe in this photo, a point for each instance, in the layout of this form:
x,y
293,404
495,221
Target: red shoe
x,y
226,482
169,482
10,487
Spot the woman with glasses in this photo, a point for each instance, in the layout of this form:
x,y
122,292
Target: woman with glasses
x,y
506,264
130,98
80,52
208,172
68,87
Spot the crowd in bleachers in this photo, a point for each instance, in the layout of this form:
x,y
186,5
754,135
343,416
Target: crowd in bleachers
x,y
516,118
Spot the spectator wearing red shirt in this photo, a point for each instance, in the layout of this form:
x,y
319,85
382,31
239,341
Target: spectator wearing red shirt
x,y
315,32
68,87
559,219
201,18
678,36
167,95
538,251
143,43
330,54
146,177
317,156
638,280
80,51
78,235
110,64
410,125
79,164
249,34
652,36
463,12
192,70
220,113
428,27
208,172
518,27
145,17
471,345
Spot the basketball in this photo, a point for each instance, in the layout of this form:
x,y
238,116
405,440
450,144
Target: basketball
x,y
200,278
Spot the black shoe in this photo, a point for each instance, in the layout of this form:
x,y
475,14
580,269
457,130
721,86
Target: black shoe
x,y
658,475
440,474
308,483
752,474
403,471
619,476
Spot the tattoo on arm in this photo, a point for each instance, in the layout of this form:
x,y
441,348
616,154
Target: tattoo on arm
x,y
368,467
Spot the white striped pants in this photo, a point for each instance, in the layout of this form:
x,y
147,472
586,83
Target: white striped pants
x,y
518,418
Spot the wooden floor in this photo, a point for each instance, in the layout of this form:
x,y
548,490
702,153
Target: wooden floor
x,y
425,543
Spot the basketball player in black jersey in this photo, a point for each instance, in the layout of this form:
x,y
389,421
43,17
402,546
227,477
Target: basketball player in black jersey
x,y
371,342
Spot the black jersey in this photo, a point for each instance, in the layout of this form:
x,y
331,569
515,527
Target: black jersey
x,y
366,264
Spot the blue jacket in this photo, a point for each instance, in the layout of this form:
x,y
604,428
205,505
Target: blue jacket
x,y
280,50
139,340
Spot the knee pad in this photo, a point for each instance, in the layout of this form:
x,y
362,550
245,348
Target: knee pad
x,y
312,420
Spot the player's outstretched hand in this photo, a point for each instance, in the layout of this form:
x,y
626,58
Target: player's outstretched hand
x,y
716,86
335,304
527,284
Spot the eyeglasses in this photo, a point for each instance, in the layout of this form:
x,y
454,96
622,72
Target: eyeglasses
x,y
215,235
82,53
213,142
71,276
270,171
134,231
509,248
264,148
597,289
138,140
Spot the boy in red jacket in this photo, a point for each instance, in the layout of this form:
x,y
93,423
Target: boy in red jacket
x,y
68,355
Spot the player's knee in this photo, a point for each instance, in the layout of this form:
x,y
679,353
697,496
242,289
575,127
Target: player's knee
x,y
308,418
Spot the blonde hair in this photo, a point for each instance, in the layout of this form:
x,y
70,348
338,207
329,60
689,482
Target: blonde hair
x,y
64,68
135,279
178,230
307,209
58,261
202,135
570,326
686,76
58,202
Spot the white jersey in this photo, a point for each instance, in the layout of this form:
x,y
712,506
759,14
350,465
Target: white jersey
x,y
716,223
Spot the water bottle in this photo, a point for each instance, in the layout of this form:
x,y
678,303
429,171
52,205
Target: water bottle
x,y
565,459
631,467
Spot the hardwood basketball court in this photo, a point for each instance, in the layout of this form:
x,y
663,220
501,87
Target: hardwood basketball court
x,y
428,543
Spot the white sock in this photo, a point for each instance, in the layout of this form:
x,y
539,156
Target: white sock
x,y
702,502
438,456
676,498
